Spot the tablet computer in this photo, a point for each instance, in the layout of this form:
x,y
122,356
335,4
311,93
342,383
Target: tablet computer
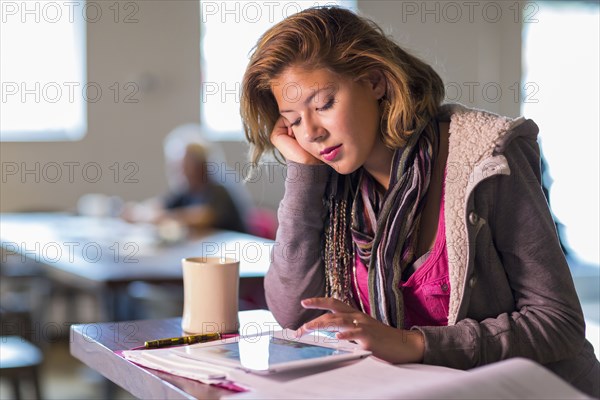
x,y
272,352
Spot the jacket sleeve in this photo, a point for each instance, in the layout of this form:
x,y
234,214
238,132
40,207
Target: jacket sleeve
x,y
296,271
547,323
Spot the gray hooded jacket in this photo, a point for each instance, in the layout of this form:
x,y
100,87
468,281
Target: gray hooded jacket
x,y
512,294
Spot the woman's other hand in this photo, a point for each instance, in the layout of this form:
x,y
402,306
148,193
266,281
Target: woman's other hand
x,y
397,346
284,140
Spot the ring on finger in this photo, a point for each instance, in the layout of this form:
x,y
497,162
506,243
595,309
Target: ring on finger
x,y
355,323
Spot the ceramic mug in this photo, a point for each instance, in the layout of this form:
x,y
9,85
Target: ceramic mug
x,y
210,295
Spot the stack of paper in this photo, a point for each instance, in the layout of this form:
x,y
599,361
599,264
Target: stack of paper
x,y
516,378
172,363
370,378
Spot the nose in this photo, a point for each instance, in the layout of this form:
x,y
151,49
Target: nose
x,y
313,130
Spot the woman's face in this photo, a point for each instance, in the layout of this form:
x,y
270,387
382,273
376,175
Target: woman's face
x,y
334,118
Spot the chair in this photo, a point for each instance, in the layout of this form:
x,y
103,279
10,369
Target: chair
x,y
23,296
19,361
262,222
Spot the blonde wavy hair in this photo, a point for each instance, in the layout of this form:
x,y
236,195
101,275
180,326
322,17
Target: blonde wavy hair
x,y
346,44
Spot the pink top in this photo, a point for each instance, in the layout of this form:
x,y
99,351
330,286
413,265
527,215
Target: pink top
x,y
427,291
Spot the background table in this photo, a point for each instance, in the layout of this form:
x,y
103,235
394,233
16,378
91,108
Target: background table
x,y
95,344
107,254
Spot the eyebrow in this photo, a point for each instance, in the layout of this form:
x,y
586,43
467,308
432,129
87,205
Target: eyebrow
x,y
309,99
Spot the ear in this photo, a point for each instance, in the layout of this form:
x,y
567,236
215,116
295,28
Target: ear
x,y
377,83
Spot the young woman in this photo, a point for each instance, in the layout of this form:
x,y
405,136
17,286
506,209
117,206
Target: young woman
x,y
417,229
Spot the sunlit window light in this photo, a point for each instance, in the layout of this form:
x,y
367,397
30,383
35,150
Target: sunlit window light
x,y
42,72
560,56
229,32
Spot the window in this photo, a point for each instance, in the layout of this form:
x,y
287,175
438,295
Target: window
x,y
560,55
42,71
229,32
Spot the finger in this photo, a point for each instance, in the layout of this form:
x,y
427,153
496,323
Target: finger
x,y
350,334
327,322
284,123
327,303
279,131
284,140
310,327
331,323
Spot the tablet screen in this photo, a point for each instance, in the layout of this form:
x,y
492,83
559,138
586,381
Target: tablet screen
x,y
266,353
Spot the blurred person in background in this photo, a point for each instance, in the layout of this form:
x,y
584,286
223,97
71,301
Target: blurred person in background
x,y
203,202
197,199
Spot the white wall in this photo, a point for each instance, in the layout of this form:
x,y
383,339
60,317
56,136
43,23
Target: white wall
x,y
164,44
470,44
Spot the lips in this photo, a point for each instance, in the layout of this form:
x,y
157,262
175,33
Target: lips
x,y
331,153
329,149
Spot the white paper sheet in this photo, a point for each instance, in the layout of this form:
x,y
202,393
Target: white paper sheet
x,y
369,379
364,379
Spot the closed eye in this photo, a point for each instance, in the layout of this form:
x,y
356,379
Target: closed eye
x,y
327,106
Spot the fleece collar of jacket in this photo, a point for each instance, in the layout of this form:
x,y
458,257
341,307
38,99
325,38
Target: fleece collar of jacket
x,y
474,135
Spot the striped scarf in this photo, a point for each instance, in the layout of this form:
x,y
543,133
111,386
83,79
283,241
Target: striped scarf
x,y
383,229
